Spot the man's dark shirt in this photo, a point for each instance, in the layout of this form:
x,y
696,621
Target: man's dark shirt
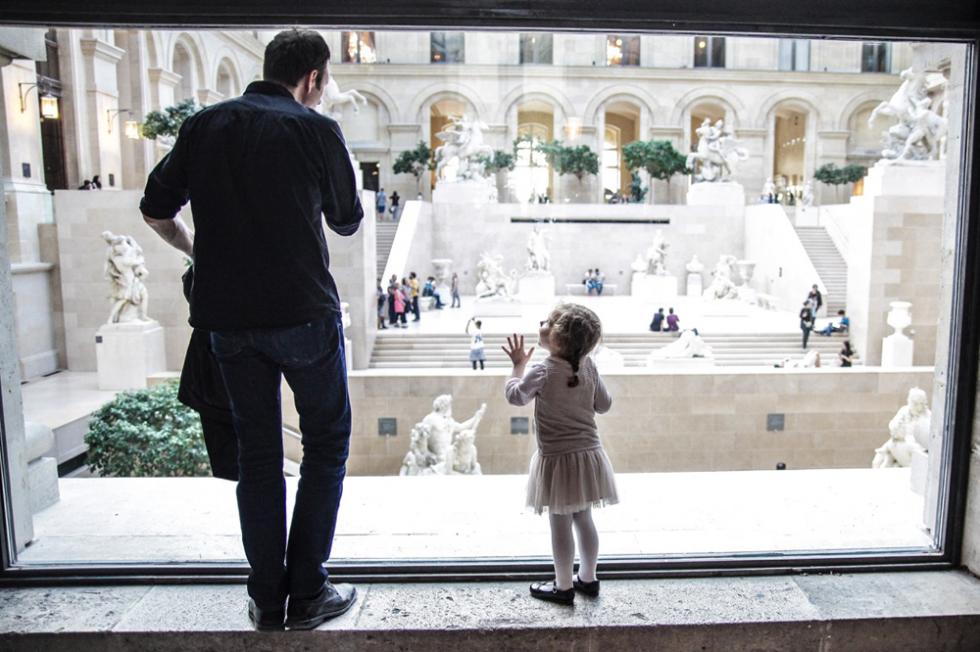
x,y
258,170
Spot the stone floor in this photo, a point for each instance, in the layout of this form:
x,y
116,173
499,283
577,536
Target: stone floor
x,y
466,517
867,612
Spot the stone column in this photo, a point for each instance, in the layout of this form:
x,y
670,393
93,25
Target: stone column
x,y
405,137
752,173
662,192
104,125
138,156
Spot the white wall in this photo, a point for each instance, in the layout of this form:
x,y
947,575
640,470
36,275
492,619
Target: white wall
x,y
463,232
783,267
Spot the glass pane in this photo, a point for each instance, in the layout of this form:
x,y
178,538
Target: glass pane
x,y
717,52
750,425
536,48
701,52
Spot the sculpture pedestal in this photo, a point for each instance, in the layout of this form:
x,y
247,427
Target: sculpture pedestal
x,y
467,191
126,353
653,287
807,216
496,308
536,287
694,285
904,178
896,351
721,193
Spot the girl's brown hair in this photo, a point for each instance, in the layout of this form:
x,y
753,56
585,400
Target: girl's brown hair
x,y
575,331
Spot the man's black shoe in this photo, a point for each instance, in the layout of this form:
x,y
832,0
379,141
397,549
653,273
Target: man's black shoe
x,y
331,601
265,620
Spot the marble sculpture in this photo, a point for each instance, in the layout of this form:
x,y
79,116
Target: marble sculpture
x,y
717,154
125,268
492,281
722,286
440,445
463,142
334,99
908,430
920,131
538,256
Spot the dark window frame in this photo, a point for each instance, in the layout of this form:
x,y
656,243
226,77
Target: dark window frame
x,y
533,52
878,54
443,53
714,53
345,56
630,54
839,19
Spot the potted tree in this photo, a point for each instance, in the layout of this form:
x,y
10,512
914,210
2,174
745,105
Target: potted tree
x,y
579,161
501,161
165,125
658,158
416,162
834,176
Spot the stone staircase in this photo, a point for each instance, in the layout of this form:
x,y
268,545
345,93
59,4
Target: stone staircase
x,y
407,350
829,264
385,237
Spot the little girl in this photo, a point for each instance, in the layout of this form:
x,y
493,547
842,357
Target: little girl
x,y
570,472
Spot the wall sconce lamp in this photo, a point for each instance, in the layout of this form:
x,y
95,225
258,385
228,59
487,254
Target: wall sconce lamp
x,y
111,114
49,102
132,130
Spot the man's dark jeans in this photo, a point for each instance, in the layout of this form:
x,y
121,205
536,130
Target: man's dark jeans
x,y
311,357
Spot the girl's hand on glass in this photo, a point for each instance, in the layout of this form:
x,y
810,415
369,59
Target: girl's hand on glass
x,y
515,350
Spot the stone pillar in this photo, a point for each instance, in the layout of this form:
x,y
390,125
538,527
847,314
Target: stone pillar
x,y
354,268
405,137
831,148
662,192
105,123
752,173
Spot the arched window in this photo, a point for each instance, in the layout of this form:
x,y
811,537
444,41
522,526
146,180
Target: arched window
x,y
611,163
532,174
226,82
183,66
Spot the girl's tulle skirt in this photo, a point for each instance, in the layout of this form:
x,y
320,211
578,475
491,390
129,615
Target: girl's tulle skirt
x,y
571,482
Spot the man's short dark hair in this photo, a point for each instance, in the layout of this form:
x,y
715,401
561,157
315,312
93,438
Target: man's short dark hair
x,y
292,54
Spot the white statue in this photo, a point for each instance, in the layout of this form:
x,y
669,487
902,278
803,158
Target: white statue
x,y
688,345
722,286
607,359
919,133
441,445
809,361
334,99
717,154
909,432
768,195
492,281
125,267
538,257
463,138
656,255
695,266
807,200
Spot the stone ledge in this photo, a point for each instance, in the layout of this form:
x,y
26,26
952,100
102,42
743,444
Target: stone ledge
x,y
868,612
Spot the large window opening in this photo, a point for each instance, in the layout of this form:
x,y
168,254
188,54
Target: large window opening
x,y
721,194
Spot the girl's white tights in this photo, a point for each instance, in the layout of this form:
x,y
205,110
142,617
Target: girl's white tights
x,y
563,547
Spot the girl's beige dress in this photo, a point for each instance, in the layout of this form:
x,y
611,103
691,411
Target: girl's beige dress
x,y
570,471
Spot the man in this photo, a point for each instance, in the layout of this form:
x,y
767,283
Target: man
x,y
413,283
656,325
260,171
381,202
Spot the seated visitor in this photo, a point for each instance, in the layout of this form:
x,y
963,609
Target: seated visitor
x,y
587,279
672,320
846,354
597,282
429,290
843,326
658,319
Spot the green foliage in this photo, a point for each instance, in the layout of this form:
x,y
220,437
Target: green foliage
x,y
168,121
637,190
147,433
500,160
579,161
657,157
835,176
415,161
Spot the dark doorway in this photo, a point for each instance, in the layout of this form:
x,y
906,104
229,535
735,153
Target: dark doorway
x,y
52,134
371,175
